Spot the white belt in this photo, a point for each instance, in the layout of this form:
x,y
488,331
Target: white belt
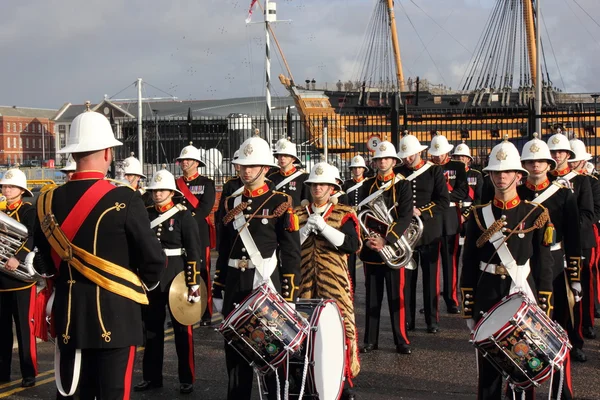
x,y
174,252
241,264
496,269
463,204
556,246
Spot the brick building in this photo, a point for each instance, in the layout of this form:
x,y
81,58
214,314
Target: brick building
x,y
27,134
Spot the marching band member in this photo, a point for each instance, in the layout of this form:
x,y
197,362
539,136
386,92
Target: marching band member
x,y
329,231
562,208
338,192
561,152
263,219
95,238
462,153
352,187
178,234
134,175
289,179
586,309
396,194
490,263
199,197
69,169
17,298
429,202
458,189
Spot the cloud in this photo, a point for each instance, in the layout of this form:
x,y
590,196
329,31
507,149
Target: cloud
x,y
71,51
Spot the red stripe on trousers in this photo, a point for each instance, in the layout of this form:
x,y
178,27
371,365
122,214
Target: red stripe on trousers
x,y
568,380
402,307
437,280
129,374
209,300
591,286
32,340
455,268
191,353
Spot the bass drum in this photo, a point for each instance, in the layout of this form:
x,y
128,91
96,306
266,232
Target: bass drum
x,y
318,371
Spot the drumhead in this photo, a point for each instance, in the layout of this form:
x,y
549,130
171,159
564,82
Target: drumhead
x,y
497,317
329,352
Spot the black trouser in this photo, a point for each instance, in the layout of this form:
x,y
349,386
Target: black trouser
x,y
589,290
241,376
449,257
18,304
376,275
562,315
490,386
205,274
154,316
352,270
576,332
427,257
105,373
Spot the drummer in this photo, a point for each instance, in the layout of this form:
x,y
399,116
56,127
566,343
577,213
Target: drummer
x,y
329,232
178,234
520,230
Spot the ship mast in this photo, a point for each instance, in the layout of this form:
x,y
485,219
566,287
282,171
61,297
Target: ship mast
x,y
396,45
531,38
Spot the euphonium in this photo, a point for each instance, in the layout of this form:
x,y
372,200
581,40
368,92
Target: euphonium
x,y
13,235
400,254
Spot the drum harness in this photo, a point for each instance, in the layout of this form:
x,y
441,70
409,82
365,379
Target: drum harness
x,y
518,276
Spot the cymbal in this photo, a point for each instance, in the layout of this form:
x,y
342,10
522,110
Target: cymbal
x,y
183,311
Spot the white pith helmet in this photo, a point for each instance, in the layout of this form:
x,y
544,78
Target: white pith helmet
x,y
163,180
322,173
358,162
16,177
132,166
578,147
589,168
190,152
560,142
439,145
537,149
410,145
90,131
284,147
462,150
255,151
236,155
336,172
385,150
505,157
71,165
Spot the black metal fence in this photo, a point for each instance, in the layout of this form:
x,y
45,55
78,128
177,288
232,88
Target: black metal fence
x,y
347,135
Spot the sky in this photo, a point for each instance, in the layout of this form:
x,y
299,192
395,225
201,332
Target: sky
x,y
73,51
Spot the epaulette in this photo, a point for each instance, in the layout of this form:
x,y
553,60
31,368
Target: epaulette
x,y
288,197
232,178
119,183
26,202
592,176
476,170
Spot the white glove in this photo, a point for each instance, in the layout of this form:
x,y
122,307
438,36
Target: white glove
x,y
316,223
41,285
194,294
471,324
334,236
576,288
304,233
218,305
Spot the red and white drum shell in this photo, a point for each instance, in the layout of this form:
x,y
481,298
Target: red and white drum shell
x,y
324,350
519,339
264,329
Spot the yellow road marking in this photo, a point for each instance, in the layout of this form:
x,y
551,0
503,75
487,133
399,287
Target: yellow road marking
x,y
48,380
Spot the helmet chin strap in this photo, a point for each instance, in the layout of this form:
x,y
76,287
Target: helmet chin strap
x,y
507,188
255,178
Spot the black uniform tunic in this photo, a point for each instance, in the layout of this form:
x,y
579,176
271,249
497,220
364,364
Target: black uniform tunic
x,y
354,195
295,188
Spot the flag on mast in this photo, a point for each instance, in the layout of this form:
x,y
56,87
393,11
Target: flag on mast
x,y
249,18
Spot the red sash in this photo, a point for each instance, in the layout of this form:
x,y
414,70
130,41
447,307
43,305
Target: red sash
x,y
471,193
189,196
80,212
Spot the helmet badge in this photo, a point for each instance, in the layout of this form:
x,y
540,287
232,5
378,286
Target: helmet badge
x,y
534,148
248,150
555,140
383,147
157,178
404,147
319,170
501,155
8,175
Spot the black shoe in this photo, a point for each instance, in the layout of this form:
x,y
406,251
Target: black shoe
x,y
589,333
596,314
403,349
28,382
410,327
578,355
147,385
432,329
421,311
186,388
453,310
348,394
367,348
169,324
206,322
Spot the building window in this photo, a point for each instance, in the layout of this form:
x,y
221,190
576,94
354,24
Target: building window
x,y
8,143
8,127
20,127
20,143
14,127
26,127
45,128
15,142
27,143
40,143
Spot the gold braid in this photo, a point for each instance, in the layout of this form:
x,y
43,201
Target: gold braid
x,y
283,207
234,211
499,224
485,236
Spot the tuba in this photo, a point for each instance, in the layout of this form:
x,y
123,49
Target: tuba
x,y
13,235
375,220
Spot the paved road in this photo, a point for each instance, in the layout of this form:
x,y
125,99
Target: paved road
x,y
441,367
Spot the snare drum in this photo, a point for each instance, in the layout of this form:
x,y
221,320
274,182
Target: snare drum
x,y
264,329
519,339
323,353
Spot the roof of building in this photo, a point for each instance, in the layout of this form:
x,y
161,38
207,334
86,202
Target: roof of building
x,y
27,112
